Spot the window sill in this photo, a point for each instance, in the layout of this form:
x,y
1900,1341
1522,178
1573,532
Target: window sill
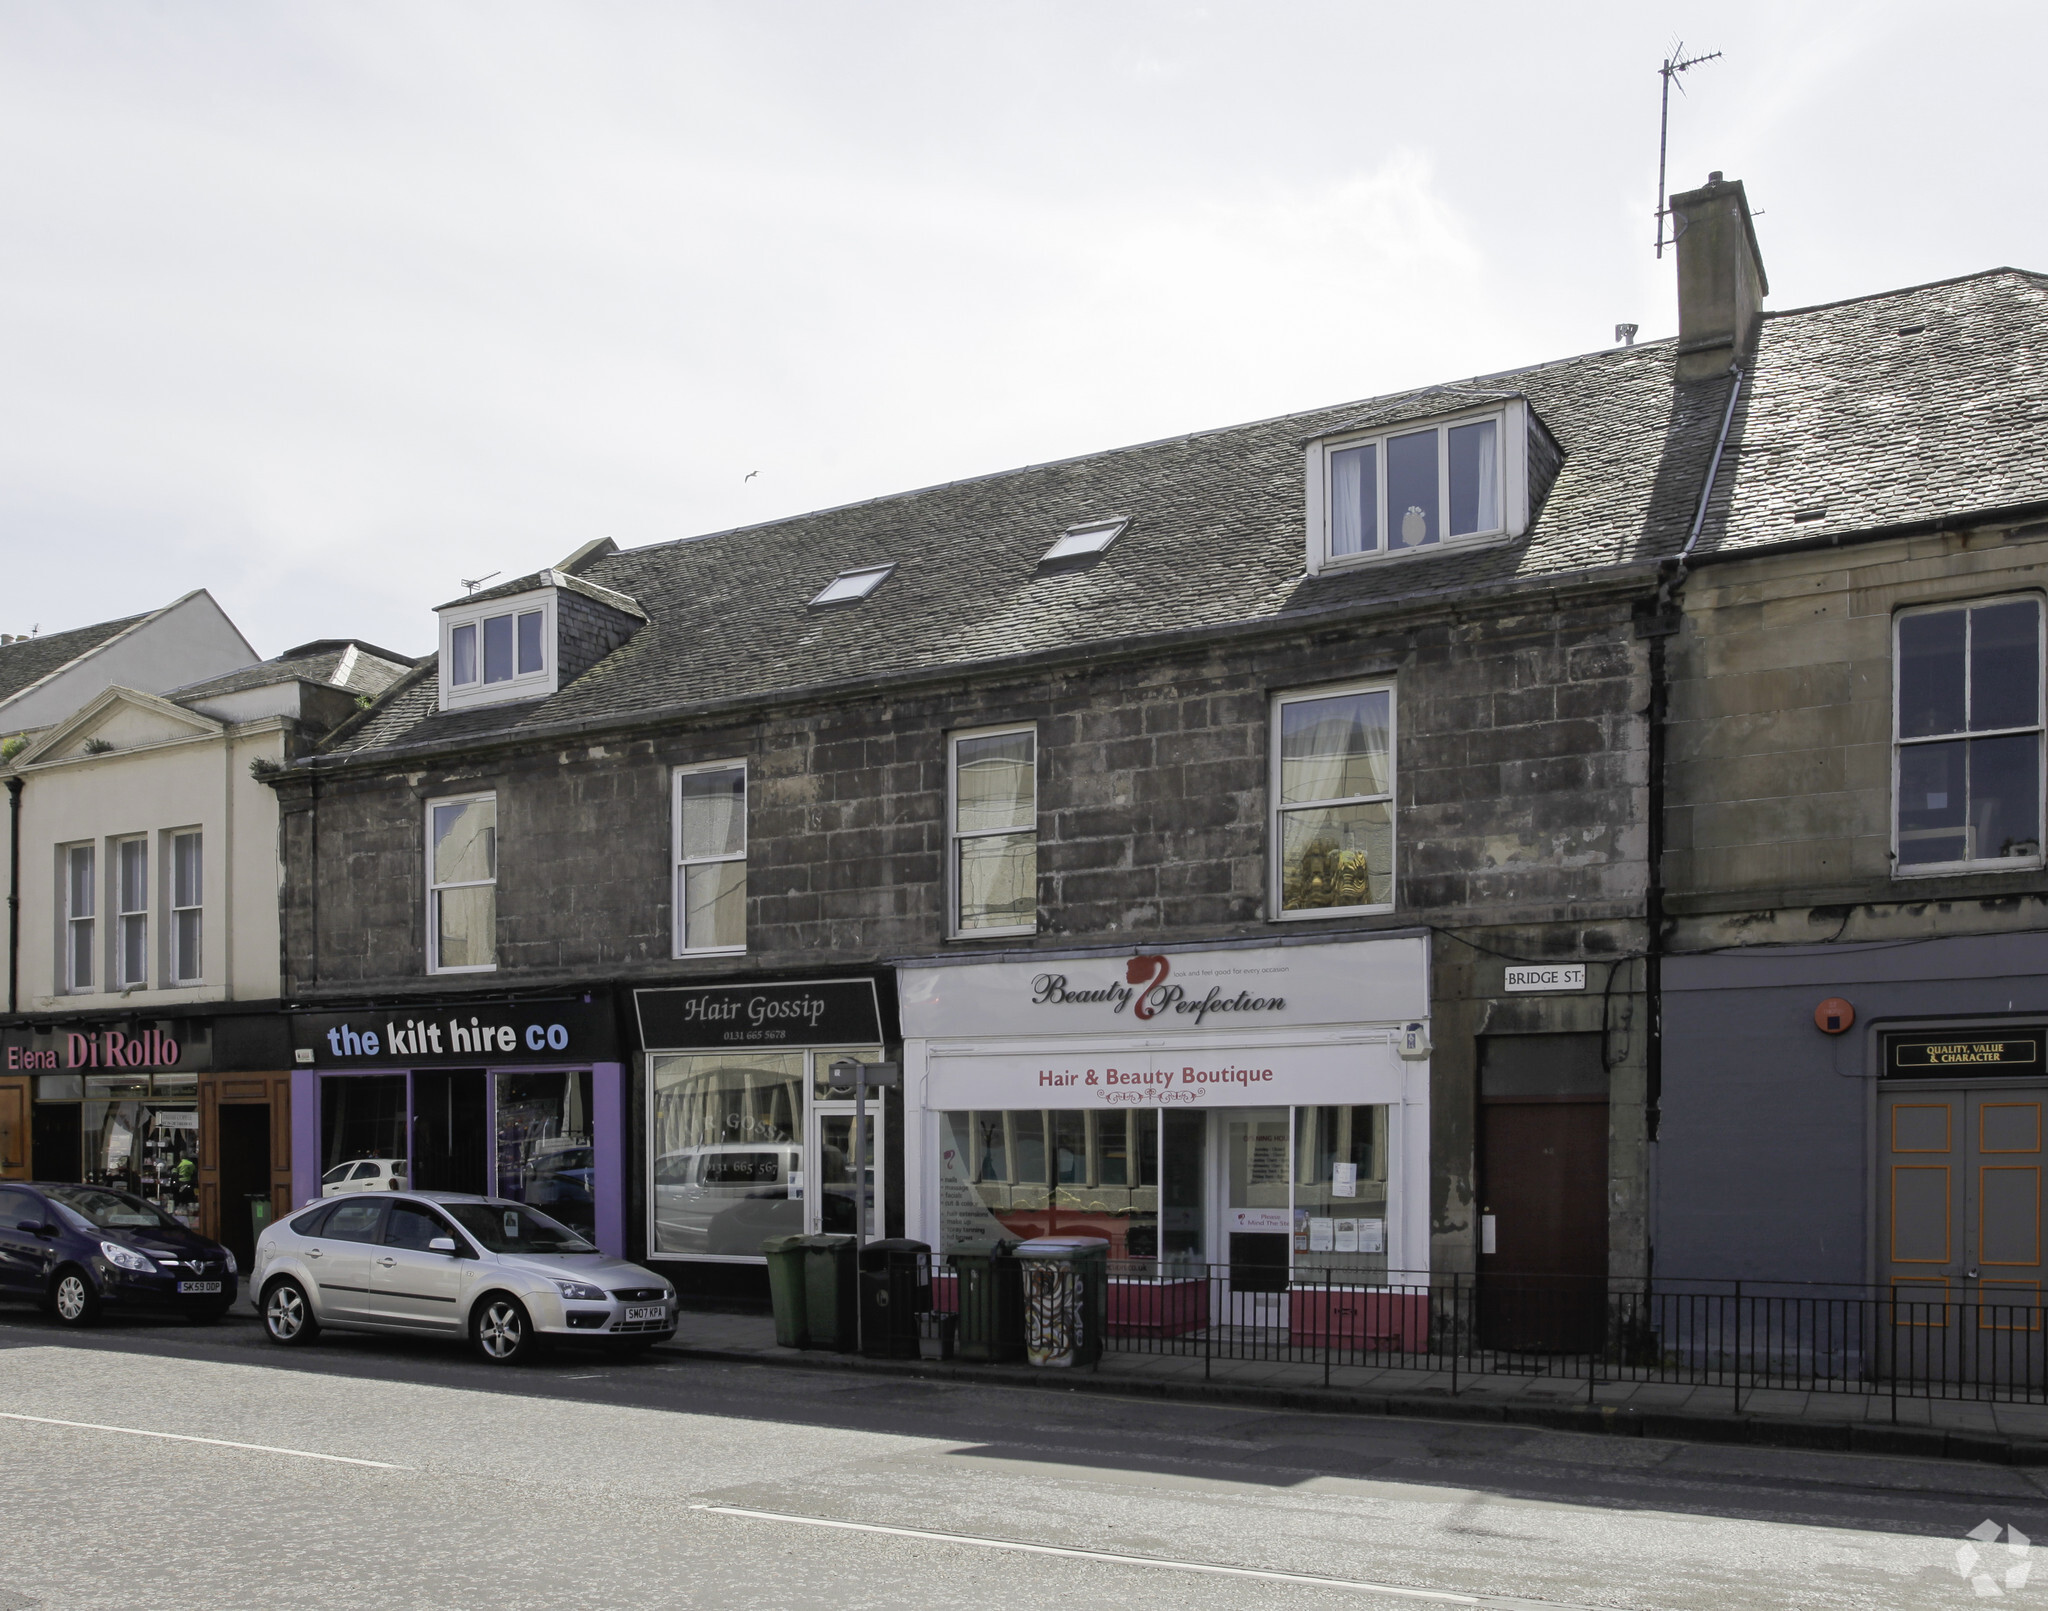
x,y
486,967
1459,545
993,934
1312,914
1966,869
710,951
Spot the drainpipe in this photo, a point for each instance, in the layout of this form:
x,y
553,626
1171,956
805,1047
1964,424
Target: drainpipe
x,y
1658,628
14,784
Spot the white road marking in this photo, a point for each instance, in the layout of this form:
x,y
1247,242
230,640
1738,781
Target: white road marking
x,y
1483,1602
218,1443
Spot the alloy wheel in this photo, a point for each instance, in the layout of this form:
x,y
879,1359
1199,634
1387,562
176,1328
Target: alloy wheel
x,y
72,1298
285,1313
501,1330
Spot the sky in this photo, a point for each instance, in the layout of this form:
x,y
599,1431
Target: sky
x,y
329,307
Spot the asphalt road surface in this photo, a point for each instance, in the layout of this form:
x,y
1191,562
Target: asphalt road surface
x,y
168,1467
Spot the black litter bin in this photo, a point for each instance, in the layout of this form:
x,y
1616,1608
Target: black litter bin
x,y
895,1288
831,1299
990,1288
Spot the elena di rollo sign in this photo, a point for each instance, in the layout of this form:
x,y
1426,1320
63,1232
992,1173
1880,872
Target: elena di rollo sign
x,y
97,1048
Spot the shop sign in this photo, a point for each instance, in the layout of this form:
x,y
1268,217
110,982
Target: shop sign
x,y
1102,1077
1365,982
826,1012
1992,1052
570,1031
45,1051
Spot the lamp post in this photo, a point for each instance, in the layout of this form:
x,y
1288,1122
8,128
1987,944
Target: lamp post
x,y
848,1075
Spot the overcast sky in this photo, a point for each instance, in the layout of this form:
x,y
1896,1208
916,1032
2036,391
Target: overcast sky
x,y
328,306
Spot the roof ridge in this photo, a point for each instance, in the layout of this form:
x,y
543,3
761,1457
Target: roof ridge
x,y
1907,290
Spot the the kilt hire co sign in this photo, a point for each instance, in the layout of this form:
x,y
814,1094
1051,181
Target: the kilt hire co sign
x,y
422,1034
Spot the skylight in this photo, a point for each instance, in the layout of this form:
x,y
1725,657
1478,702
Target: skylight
x,y
850,587
1085,540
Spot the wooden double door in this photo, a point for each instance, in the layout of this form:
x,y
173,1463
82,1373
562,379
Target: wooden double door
x,y
1960,1227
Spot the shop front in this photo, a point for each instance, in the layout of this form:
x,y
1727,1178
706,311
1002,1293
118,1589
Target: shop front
x,y
745,1139
523,1100
1256,1117
192,1113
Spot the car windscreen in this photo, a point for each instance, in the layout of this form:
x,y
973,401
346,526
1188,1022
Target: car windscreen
x,y
515,1228
111,1210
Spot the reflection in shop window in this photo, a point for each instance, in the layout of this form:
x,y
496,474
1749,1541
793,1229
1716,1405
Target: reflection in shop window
x,y
362,1116
1100,1177
1340,1194
728,1138
138,1141
546,1156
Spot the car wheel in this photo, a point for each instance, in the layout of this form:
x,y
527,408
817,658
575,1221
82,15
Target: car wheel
x,y
73,1298
502,1331
288,1314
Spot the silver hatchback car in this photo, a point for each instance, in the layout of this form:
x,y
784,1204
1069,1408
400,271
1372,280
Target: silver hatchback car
x,y
507,1279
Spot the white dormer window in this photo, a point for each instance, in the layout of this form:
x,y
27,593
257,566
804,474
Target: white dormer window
x,y
498,651
1419,486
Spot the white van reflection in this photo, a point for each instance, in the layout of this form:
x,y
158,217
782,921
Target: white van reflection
x,y
724,1199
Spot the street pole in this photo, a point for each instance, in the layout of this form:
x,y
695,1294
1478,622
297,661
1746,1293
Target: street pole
x,y
860,1160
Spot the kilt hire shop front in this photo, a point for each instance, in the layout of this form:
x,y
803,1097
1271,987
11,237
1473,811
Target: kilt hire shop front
x,y
1264,1108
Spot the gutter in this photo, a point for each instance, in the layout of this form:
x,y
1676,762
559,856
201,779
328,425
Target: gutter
x,y
14,787
1612,578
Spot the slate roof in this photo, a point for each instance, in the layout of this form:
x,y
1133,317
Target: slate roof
x,y
29,660
370,673
1841,409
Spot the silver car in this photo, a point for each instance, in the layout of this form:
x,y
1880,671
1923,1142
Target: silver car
x,y
504,1277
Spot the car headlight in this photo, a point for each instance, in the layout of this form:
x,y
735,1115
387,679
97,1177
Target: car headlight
x,y
233,1267
583,1291
126,1258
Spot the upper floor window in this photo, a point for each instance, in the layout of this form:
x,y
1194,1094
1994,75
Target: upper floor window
x,y
994,832
1333,792
187,887
1967,741
1417,486
131,934
711,858
80,922
500,650
462,879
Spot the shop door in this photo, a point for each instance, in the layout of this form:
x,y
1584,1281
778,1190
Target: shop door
x,y
1257,1214
450,1131
1960,1230
244,1155
14,1128
829,1194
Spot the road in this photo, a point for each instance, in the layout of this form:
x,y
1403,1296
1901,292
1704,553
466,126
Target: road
x,y
397,1475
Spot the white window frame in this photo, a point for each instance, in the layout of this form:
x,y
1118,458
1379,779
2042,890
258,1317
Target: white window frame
x,y
434,889
1512,440
125,914
1275,873
520,685
74,920
175,972
954,835
1996,864
680,865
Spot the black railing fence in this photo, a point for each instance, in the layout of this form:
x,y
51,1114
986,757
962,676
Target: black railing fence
x,y
1905,1342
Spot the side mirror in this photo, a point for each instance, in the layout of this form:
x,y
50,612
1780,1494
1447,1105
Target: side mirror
x,y
34,1227
441,1244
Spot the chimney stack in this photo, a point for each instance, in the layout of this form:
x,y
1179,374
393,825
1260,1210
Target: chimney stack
x,y
1721,283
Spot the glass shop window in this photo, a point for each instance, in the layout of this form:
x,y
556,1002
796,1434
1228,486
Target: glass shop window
x,y
363,1117
1340,1194
728,1131
1031,1172
546,1153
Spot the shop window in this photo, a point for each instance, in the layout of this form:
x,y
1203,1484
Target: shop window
x,y
139,1135
1967,738
462,877
1340,1194
362,1128
1333,787
994,832
711,858
81,905
1032,1172
546,1151
187,886
727,1132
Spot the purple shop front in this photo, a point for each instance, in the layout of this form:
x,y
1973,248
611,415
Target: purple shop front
x,y
522,1099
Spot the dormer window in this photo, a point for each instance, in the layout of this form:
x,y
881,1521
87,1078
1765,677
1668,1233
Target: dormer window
x,y
495,651
1422,485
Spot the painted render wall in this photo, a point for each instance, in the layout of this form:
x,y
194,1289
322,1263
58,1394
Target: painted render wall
x,y
1521,785
187,642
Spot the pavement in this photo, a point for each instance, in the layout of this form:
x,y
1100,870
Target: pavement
x,y
1872,1422
175,1467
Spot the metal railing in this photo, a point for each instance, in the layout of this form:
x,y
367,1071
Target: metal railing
x,y
1456,1329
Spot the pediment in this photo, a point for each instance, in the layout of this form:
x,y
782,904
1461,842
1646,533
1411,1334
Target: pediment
x,y
119,719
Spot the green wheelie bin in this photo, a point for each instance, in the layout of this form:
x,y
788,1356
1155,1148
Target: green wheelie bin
x,y
991,1298
786,1289
831,1293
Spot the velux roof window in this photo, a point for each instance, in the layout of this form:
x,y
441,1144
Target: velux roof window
x,y
850,587
1078,544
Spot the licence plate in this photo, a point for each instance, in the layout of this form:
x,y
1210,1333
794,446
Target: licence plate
x,y
645,1311
199,1286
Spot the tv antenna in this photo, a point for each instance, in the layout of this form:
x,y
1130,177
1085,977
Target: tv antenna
x,y
1674,64
472,586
